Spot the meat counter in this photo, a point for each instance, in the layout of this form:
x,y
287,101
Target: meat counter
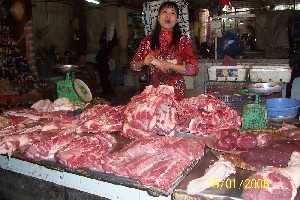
x,y
82,181
113,187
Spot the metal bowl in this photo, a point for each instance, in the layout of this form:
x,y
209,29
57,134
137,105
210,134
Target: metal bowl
x,y
280,119
266,88
66,68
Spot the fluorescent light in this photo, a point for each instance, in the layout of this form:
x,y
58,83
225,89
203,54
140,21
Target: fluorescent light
x,y
93,1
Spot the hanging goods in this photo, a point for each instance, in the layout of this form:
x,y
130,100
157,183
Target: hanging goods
x,y
74,89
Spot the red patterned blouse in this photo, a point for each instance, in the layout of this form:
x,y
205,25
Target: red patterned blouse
x,y
184,54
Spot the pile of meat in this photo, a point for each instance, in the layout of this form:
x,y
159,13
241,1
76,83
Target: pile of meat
x,y
151,112
233,140
205,114
155,111
26,126
156,161
153,161
59,136
50,131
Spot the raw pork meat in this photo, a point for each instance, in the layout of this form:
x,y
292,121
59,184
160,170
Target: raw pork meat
x,y
86,152
205,114
156,160
153,111
46,149
14,140
277,183
29,113
103,118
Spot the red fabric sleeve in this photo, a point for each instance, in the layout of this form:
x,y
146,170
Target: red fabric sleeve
x,y
143,50
188,56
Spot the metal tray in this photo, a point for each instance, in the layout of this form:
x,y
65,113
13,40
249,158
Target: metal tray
x,y
282,118
266,88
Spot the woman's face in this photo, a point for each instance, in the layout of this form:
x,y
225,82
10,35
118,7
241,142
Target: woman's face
x,y
167,18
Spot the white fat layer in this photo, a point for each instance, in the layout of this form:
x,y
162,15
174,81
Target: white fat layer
x,y
218,171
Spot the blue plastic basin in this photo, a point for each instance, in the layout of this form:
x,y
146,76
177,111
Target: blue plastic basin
x,y
282,107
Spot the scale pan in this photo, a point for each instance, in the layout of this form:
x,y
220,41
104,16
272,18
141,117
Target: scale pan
x,y
266,88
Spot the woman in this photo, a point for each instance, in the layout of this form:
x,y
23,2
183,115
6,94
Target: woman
x,y
169,54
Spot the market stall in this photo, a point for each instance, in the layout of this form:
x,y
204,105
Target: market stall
x,y
78,144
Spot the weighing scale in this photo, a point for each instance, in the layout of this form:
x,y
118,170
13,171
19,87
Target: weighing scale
x,y
73,89
255,115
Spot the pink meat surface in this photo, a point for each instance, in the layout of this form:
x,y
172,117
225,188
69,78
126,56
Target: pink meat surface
x,y
278,186
12,141
102,118
86,152
46,149
155,161
163,173
152,111
205,114
134,133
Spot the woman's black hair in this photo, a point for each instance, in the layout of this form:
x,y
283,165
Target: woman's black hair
x,y
154,43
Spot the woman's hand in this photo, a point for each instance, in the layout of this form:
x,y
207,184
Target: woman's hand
x,y
148,59
164,66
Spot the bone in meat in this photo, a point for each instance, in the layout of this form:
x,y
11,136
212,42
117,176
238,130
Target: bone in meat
x,y
218,171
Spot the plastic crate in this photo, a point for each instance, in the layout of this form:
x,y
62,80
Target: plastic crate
x,y
233,101
227,73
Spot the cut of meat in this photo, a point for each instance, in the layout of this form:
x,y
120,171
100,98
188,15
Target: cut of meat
x,y
29,113
87,152
205,114
134,133
152,111
163,173
45,150
263,140
220,170
275,183
277,154
137,166
102,118
278,186
155,161
11,142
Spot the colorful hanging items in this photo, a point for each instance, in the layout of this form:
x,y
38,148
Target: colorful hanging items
x,y
30,50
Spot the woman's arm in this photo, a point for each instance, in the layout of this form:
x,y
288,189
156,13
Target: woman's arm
x,y
140,58
188,56
166,65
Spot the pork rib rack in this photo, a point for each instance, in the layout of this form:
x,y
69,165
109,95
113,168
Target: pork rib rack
x,y
151,112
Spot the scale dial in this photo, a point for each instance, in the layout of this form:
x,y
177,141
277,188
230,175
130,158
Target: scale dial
x,y
82,90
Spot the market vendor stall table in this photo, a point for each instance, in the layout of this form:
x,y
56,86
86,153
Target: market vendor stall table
x,y
80,182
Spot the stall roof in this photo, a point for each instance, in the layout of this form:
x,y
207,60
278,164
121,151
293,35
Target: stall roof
x,y
195,4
